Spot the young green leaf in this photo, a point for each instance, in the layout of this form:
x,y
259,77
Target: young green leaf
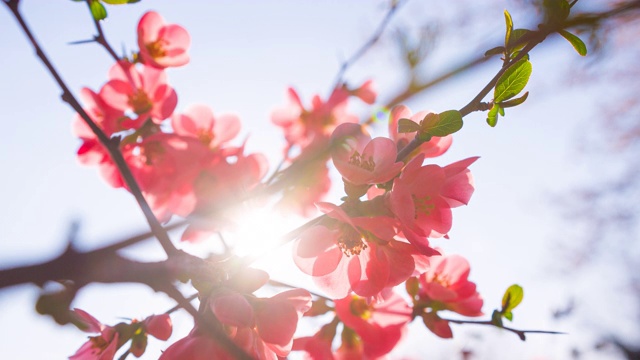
x,y
514,102
495,51
516,35
97,10
556,11
575,41
512,81
509,23
424,137
407,126
492,116
508,316
512,298
442,124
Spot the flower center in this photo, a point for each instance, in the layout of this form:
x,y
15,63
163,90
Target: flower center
x,y
140,102
156,48
444,280
359,160
151,152
423,205
204,136
350,241
98,342
360,308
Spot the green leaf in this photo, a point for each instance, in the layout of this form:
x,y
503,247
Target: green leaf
x,y
424,137
508,316
512,81
516,35
492,116
442,124
556,10
97,10
407,126
575,41
509,23
500,111
514,102
495,51
512,298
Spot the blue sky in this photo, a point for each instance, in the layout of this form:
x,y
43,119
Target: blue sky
x,y
244,56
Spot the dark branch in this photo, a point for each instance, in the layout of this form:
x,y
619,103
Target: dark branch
x,y
111,146
521,333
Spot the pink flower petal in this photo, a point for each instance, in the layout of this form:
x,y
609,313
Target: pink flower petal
x,y
316,252
159,326
232,309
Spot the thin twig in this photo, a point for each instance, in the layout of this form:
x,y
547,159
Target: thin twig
x,y
520,333
395,5
178,307
100,38
281,284
533,40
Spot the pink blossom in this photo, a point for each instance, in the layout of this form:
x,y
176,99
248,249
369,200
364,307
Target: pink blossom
x,y
432,148
158,326
379,325
111,121
199,122
218,185
262,327
107,118
318,346
445,286
195,346
361,160
144,93
302,127
365,92
165,167
306,180
355,254
277,318
162,45
422,198
101,347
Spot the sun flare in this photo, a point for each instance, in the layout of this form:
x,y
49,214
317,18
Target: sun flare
x,y
260,231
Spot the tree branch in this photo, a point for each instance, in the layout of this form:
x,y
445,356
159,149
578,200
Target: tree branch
x,y
521,333
100,38
111,145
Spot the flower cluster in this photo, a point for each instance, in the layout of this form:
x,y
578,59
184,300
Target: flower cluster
x,y
373,329
307,133
262,327
110,338
187,163
445,287
183,162
368,246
